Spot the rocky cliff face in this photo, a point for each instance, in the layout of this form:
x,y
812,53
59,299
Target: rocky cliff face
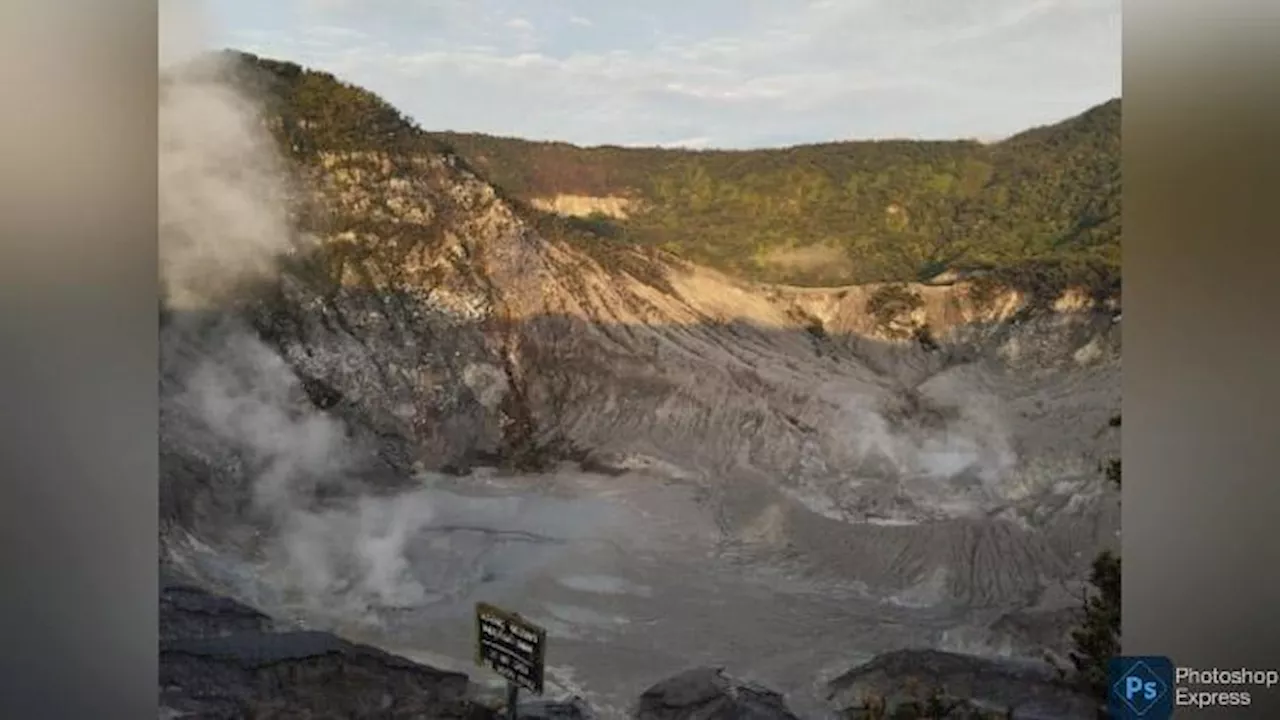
x,y
586,205
942,447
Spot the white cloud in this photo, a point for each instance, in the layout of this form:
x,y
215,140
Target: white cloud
x,y
772,71
335,33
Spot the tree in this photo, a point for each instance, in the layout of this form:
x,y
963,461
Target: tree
x,y
1097,640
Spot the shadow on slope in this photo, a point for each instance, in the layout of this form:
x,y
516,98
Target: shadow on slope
x,y
922,471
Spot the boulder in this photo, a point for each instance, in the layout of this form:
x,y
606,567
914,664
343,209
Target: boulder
x,y
570,709
936,684
221,659
709,694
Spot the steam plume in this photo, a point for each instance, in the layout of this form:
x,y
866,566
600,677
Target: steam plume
x,y
224,219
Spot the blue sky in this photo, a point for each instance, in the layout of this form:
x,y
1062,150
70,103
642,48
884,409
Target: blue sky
x,y
703,73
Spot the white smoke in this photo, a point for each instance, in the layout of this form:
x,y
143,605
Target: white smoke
x,y
355,557
974,441
223,200
247,395
964,465
225,222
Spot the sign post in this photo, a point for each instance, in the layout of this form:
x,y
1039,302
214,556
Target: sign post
x,y
512,647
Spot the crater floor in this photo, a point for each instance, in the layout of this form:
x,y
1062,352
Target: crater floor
x,y
633,576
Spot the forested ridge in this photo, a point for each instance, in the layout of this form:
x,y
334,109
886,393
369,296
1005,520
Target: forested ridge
x,y
1041,207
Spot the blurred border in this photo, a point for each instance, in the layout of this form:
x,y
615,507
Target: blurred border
x,y
78,345
1202,336
78,446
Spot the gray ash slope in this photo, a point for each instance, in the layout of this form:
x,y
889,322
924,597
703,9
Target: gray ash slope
x,y
354,337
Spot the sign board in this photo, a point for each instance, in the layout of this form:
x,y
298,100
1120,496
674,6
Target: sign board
x,y
511,646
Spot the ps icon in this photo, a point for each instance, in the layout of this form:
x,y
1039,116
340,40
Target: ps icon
x,y
1141,687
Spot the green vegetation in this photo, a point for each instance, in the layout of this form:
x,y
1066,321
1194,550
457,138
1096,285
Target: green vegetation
x,y
1039,210
1098,638
1044,279
1047,200
312,112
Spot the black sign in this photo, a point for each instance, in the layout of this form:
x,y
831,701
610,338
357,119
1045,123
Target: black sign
x,y
510,646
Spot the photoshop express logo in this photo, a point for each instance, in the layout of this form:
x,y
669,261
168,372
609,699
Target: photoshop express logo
x,y
1141,688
